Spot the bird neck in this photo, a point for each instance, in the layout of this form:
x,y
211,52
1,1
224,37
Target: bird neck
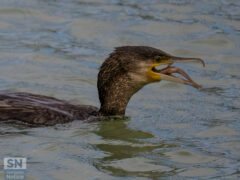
x,y
115,97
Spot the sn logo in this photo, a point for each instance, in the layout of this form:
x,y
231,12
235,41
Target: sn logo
x,y
15,163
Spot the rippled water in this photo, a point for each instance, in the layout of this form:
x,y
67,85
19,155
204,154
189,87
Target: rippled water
x,y
174,132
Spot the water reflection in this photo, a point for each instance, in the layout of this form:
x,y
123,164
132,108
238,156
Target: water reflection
x,y
126,149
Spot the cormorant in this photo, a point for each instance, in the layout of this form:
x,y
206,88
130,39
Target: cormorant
x,y
121,75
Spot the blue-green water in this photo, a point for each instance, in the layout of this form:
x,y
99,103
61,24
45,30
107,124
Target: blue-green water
x,y
174,132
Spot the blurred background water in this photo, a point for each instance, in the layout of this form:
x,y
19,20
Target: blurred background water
x,y
174,132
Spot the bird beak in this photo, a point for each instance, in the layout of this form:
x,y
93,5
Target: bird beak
x,y
166,73
187,60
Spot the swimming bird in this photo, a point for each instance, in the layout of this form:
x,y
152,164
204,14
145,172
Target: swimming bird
x,y
122,74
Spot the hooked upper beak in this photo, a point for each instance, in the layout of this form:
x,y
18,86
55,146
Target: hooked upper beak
x,y
166,73
175,59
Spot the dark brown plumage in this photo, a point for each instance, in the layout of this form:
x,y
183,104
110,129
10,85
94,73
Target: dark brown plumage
x,y
121,75
115,83
41,110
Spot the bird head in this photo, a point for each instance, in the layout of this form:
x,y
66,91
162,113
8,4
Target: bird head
x,y
129,68
153,65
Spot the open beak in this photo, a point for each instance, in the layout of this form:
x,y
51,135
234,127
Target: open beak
x,y
166,73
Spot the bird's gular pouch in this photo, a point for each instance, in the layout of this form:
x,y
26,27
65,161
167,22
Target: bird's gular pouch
x,y
158,73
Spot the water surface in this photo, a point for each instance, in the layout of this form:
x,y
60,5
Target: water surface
x,y
174,132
